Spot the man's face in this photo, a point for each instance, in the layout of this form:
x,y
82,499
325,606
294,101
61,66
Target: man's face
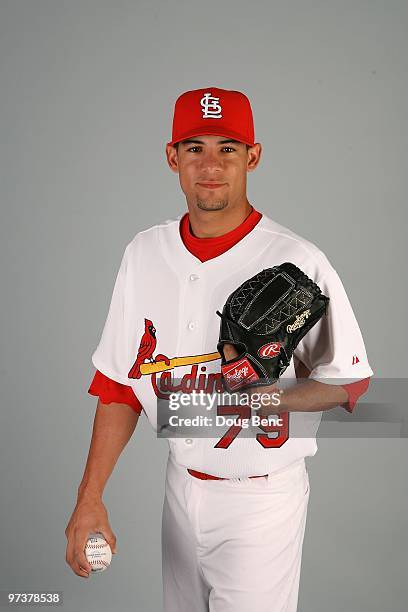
x,y
213,169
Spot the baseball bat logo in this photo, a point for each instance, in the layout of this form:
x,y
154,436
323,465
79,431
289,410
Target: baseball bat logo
x,y
270,350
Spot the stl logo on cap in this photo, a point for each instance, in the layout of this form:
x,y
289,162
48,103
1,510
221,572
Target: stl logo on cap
x,y
211,107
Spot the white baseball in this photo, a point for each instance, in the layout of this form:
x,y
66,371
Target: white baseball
x,y
98,552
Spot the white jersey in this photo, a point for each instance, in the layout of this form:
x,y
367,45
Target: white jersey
x,y
160,281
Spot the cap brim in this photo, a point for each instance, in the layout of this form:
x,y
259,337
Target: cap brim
x,y
212,132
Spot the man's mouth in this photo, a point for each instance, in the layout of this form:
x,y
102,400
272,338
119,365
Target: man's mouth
x,y
211,185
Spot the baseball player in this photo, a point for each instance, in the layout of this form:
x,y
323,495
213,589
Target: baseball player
x,y
235,505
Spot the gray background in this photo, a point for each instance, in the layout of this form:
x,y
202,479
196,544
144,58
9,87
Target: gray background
x,y
87,94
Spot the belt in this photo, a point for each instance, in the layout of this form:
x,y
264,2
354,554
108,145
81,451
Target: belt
x,y
204,476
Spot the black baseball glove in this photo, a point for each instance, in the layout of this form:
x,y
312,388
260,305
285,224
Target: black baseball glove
x,y
265,319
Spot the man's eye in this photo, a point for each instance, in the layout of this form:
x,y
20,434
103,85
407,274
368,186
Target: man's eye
x,y
191,148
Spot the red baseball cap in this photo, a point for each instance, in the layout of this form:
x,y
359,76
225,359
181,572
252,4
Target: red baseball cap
x,y
212,110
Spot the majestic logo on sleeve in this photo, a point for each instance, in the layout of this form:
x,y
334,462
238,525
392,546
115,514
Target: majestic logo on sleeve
x,y
355,360
210,106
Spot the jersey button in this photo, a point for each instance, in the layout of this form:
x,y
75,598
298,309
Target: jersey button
x,y
188,441
194,277
191,325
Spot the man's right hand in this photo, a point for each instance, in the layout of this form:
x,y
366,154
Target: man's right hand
x,y
89,516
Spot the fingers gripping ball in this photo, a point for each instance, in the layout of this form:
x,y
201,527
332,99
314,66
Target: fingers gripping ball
x,y
262,323
98,552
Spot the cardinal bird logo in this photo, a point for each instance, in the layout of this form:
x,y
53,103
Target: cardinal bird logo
x,y
146,349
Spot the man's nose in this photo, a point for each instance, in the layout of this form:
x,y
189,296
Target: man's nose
x,y
211,161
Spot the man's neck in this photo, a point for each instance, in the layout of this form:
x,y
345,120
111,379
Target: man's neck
x,y
210,224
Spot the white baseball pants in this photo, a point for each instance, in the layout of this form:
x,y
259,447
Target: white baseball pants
x,y
233,545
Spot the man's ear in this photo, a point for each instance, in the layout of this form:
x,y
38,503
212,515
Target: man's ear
x,y
172,157
254,156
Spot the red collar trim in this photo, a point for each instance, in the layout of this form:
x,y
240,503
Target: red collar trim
x,y
207,248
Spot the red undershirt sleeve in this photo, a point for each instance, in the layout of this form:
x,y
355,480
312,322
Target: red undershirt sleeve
x,y
109,391
354,391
